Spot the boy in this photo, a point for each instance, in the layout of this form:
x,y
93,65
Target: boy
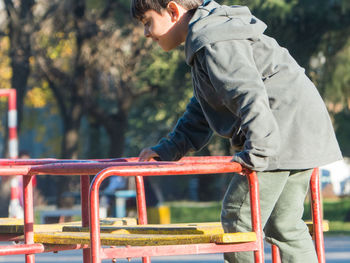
x,y
250,90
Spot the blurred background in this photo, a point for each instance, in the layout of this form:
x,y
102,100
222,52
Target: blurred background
x,y
89,85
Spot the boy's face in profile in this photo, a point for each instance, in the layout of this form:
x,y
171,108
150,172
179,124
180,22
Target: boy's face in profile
x,y
165,28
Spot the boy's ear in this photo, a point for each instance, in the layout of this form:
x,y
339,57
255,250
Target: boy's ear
x,y
173,10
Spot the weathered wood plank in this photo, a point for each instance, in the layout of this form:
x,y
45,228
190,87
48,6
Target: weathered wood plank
x,y
15,226
142,240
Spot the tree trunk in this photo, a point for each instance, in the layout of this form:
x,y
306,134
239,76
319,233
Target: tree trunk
x,y
70,143
116,131
20,30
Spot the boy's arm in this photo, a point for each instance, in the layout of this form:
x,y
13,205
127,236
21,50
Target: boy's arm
x,y
191,133
232,71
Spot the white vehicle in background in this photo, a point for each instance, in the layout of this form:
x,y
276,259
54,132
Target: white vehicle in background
x,y
337,174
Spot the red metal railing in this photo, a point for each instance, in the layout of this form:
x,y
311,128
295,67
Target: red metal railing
x,y
176,168
316,207
130,167
317,221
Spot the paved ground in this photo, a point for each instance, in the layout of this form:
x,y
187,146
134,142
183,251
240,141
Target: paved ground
x,y
337,251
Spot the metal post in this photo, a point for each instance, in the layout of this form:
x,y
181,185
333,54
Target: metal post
x,y
84,195
256,216
15,209
317,215
276,257
141,206
28,215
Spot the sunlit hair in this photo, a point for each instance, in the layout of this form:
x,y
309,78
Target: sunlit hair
x,y
139,7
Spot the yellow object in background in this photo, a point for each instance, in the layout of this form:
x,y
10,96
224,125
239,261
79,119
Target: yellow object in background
x,y
158,215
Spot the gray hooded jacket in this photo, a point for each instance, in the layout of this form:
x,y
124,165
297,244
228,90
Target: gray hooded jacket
x,y
249,89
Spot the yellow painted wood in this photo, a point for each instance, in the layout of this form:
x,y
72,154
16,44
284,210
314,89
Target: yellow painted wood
x,y
325,226
10,221
234,237
174,229
142,240
126,226
154,229
19,228
158,215
15,226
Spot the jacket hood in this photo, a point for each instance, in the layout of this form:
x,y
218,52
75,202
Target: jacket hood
x,y
213,23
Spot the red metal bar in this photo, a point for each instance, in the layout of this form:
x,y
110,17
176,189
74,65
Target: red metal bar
x,y
94,168
28,215
169,250
55,248
190,165
256,216
78,167
21,249
12,123
41,161
84,195
14,170
97,253
141,200
5,92
141,206
94,214
276,257
317,215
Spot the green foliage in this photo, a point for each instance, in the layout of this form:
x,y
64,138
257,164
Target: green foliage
x,y
154,114
342,120
337,78
5,69
187,212
334,210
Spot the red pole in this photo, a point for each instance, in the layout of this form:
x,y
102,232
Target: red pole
x,y
141,206
317,215
94,215
15,210
276,257
28,215
84,193
141,200
168,169
12,124
21,249
256,216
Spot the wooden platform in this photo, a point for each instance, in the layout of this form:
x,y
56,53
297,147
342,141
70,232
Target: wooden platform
x,y
184,228
125,231
15,226
108,239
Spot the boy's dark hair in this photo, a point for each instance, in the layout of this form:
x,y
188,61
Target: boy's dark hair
x,y
139,7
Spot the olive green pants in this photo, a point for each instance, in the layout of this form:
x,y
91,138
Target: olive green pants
x,y
282,195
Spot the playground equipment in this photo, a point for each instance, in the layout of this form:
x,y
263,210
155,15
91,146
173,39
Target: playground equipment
x,y
130,240
15,208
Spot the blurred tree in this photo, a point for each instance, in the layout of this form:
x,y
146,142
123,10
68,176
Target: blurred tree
x,y
89,54
19,29
5,67
59,54
342,120
113,86
97,76
302,25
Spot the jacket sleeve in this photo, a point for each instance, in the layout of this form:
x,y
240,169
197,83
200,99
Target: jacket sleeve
x,y
232,71
191,133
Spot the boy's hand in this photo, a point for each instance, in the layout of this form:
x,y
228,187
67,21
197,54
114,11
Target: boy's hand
x,y
147,154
